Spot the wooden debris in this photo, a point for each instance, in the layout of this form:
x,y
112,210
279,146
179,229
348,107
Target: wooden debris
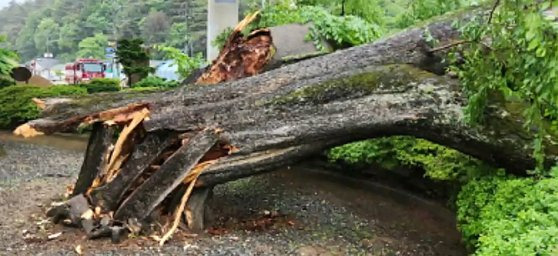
x,y
27,131
154,190
117,158
240,57
40,103
78,249
196,207
109,195
54,236
196,171
95,157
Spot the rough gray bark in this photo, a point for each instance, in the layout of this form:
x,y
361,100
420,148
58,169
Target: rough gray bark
x,y
109,195
196,209
154,190
95,157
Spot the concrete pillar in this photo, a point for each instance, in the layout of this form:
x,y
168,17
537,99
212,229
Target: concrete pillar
x,y
221,14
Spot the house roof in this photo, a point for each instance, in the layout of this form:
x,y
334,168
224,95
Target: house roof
x,y
45,63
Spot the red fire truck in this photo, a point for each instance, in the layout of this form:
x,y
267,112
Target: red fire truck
x,y
83,70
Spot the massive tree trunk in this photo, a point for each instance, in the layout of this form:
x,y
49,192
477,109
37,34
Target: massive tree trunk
x,y
395,86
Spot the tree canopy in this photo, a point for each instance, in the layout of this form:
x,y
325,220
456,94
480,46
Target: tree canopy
x,y
61,26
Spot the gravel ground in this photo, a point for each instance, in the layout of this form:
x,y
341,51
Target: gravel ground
x,y
294,211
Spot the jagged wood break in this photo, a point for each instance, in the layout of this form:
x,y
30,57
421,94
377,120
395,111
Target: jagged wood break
x,y
395,86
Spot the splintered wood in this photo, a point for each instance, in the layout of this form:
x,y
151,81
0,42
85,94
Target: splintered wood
x,y
27,131
241,56
120,116
117,158
192,178
120,150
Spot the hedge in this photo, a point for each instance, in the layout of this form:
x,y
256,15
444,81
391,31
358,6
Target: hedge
x,y
17,107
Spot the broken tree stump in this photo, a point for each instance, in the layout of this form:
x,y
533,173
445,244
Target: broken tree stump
x,y
96,157
111,194
196,209
172,173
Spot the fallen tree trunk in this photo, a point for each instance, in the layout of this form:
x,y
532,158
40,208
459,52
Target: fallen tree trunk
x,y
395,86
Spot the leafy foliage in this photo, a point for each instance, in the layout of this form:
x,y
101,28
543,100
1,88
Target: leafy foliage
x,y
156,82
45,35
8,60
221,39
501,215
420,10
519,62
186,64
102,85
61,24
438,162
340,31
17,105
93,47
134,57
143,89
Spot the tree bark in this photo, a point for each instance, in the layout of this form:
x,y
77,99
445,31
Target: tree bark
x,y
96,157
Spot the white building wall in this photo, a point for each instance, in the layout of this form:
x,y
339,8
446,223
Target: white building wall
x,y
221,14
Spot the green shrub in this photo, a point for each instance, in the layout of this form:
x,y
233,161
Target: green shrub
x,y
340,31
510,216
8,60
5,82
185,64
102,85
154,81
438,162
221,39
420,10
16,102
520,66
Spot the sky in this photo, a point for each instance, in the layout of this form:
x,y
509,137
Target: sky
x,y
4,3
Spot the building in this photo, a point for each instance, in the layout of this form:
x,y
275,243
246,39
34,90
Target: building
x,y
44,67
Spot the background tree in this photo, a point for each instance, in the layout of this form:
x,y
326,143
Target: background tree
x,y
77,20
8,60
178,35
134,58
93,47
155,27
46,35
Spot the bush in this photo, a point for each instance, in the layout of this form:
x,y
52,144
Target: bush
x,y
186,64
102,85
16,102
438,162
420,10
154,81
510,216
339,31
5,82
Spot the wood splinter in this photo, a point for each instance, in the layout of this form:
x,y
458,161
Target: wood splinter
x,y
193,177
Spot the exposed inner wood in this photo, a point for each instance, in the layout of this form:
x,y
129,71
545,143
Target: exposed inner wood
x,y
241,56
195,173
117,158
156,188
145,153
